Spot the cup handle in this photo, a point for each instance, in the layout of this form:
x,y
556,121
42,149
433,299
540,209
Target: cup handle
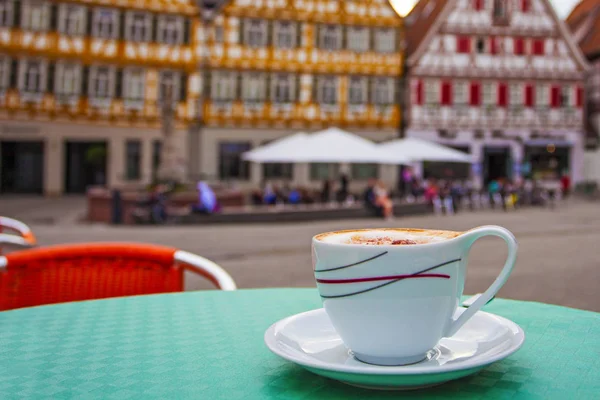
x,y
471,237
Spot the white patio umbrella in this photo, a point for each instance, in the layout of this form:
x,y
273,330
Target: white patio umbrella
x,y
335,145
418,150
279,151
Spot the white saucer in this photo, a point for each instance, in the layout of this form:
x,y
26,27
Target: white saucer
x,y
309,339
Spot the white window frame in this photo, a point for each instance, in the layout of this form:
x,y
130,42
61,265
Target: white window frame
x,y
170,29
516,94
330,37
105,23
7,12
223,86
358,89
489,93
287,30
255,32
542,95
432,92
385,40
138,26
328,90
283,84
5,65
254,87
460,93
383,91
35,15
27,92
108,75
67,82
175,78
134,87
358,38
72,19
566,91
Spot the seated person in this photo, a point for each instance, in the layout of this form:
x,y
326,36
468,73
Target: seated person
x,y
207,200
294,197
370,198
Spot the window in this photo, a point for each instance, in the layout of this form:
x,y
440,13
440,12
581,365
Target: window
x,y
489,93
525,5
35,15
358,38
253,87
328,90
133,157
32,77
432,92
5,64
278,171
516,94
231,165
541,95
321,171
283,88
538,47
72,19
255,32
357,90
285,34
463,44
139,26
385,40
500,9
330,37
461,93
383,91
480,45
101,82
105,23
169,80
566,96
170,29
223,86
67,81
364,171
519,46
478,5
134,83
6,12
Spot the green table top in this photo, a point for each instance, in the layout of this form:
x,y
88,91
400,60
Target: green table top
x,y
209,345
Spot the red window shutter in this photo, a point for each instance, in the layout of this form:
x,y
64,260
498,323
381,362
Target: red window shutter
x,y
478,5
538,47
555,96
493,45
519,44
502,94
463,44
529,95
419,93
579,96
446,93
475,94
525,5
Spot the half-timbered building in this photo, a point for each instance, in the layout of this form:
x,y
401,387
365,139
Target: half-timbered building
x,y
500,79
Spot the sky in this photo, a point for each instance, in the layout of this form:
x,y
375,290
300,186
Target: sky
x,y
563,7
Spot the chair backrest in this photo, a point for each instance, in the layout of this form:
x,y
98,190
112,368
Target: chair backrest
x,y
58,274
14,233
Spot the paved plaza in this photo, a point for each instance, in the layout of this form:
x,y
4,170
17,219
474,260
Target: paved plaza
x,y
558,256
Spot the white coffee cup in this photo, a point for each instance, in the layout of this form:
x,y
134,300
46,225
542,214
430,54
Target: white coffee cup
x,y
382,312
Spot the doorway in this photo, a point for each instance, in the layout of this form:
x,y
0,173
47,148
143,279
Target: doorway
x,y
496,163
22,167
85,165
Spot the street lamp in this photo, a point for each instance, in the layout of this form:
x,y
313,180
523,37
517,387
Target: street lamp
x,y
207,12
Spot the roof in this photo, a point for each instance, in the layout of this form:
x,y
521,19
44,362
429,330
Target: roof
x,y
419,21
584,22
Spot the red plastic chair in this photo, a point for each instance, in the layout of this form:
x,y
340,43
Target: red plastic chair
x,y
58,274
14,233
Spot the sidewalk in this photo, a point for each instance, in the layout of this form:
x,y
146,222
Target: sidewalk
x,y
37,210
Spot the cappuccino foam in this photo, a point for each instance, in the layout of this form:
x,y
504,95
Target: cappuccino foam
x,y
381,237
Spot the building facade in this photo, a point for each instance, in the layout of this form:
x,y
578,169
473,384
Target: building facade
x,y
584,22
500,79
82,85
